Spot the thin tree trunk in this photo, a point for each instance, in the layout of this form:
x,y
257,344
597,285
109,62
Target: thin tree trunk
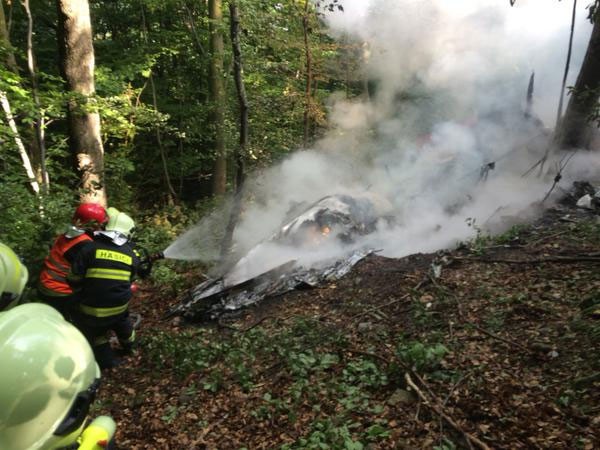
x,y
11,63
161,148
365,57
529,96
307,93
19,142
195,37
241,150
39,124
567,64
217,96
575,130
77,64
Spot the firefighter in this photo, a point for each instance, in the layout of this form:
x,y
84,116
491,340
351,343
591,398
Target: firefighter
x,y
102,274
13,277
47,383
53,287
48,378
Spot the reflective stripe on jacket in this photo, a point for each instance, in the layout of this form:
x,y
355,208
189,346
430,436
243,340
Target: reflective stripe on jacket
x,y
53,277
106,271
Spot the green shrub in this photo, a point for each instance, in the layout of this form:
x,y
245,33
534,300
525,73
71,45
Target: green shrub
x,y
421,357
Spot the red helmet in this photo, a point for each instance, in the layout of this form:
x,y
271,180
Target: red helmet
x,y
87,213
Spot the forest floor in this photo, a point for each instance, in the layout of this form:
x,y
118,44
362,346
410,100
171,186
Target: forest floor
x,y
498,350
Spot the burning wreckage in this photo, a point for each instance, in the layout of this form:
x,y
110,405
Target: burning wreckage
x,y
298,256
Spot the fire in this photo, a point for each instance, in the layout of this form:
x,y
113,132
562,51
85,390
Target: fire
x,y
325,230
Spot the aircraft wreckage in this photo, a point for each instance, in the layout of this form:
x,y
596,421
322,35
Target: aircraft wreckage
x,y
298,256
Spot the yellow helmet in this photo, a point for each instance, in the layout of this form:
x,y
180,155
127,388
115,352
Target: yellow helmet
x,y
48,379
120,222
13,276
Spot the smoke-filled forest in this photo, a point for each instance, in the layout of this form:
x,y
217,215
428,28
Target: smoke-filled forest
x,y
366,223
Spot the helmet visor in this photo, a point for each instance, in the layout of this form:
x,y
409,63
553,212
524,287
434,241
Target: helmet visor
x,y
6,298
79,410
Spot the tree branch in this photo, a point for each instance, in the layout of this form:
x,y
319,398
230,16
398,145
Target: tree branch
x,y
436,406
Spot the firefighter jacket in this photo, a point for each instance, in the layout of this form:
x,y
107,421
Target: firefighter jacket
x,y
53,277
102,275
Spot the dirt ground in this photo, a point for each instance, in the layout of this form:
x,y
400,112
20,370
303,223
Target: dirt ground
x,y
490,345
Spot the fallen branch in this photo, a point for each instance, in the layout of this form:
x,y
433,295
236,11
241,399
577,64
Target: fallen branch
x,y
207,429
586,381
435,405
500,338
376,308
367,354
253,325
455,385
545,238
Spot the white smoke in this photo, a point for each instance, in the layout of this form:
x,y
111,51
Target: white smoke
x,y
450,80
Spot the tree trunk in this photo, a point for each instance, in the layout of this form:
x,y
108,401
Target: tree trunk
x,y
77,65
307,92
161,148
241,150
10,61
567,65
19,143
39,153
575,130
217,96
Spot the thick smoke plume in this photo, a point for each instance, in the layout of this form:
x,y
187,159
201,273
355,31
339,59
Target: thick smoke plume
x,y
440,143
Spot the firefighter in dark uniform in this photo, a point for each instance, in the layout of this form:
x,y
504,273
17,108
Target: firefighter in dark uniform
x,y
53,287
102,275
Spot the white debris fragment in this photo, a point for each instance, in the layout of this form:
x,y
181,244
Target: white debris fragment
x,y
585,202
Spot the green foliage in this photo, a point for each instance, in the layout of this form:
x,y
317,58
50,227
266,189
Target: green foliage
x,y
478,244
151,87
171,414
421,357
326,434
445,445
363,372
318,377
31,223
586,230
510,235
185,352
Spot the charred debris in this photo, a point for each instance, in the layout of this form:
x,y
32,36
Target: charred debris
x,y
339,220
343,219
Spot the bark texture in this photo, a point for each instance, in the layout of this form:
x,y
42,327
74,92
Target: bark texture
x,y
217,96
240,152
77,65
575,130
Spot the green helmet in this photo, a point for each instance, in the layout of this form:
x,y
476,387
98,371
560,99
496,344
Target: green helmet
x,y
112,211
13,276
3,276
48,379
120,222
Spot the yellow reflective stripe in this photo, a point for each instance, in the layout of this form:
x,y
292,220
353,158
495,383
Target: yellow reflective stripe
x,y
50,293
103,312
56,276
108,274
113,256
59,265
131,338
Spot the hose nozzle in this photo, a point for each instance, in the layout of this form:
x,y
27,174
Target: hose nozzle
x,y
156,256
